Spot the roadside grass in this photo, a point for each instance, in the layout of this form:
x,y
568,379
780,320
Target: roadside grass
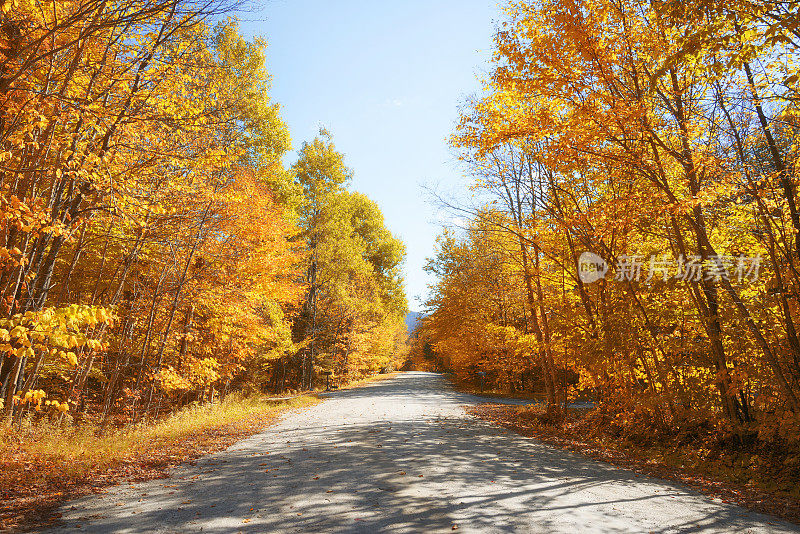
x,y
43,464
493,393
372,378
465,386
322,387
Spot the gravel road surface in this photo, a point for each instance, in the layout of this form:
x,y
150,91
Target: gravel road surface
x,y
401,455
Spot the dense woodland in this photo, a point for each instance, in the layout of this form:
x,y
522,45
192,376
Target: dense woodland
x,y
155,249
176,272
663,138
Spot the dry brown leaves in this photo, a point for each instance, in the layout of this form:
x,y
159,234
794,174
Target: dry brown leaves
x,y
32,489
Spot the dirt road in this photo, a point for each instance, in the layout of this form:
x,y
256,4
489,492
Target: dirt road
x,y
401,455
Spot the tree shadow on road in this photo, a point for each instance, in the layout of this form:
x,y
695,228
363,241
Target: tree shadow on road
x,y
412,472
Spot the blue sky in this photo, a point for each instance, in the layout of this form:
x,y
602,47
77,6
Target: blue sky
x,y
386,78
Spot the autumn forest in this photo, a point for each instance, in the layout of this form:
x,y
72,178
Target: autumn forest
x,y
631,246
660,141
156,250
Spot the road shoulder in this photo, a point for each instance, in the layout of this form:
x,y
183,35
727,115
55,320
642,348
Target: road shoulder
x,y
34,484
508,416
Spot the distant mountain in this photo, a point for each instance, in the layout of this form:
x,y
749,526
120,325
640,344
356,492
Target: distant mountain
x,y
412,320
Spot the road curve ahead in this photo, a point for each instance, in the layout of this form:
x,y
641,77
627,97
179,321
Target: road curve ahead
x,y
401,455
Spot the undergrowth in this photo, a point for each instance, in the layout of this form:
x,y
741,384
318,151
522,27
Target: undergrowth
x,y
746,455
44,462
